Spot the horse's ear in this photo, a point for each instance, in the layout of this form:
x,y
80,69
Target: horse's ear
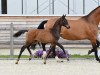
x,y
63,16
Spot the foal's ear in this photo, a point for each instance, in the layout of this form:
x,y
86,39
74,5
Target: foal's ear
x,y
64,16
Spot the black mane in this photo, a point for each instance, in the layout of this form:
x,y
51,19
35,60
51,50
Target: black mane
x,y
41,25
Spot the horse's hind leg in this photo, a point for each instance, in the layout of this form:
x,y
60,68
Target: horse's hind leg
x,y
95,49
96,53
22,49
63,50
92,50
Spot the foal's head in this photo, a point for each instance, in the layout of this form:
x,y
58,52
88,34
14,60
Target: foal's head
x,y
64,22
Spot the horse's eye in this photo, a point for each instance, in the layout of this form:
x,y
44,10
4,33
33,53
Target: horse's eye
x,y
64,21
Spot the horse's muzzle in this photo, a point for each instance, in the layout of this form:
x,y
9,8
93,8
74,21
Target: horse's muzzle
x,y
67,26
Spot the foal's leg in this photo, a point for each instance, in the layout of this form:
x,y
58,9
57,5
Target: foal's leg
x,y
58,44
22,49
44,53
31,56
52,48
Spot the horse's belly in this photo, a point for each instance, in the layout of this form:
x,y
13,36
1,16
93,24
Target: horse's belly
x,y
73,36
45,38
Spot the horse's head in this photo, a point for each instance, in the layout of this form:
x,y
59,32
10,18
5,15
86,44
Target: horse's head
x,y
64,22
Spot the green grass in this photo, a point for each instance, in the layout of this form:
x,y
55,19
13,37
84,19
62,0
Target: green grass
x,y
72,56
15,56
82,56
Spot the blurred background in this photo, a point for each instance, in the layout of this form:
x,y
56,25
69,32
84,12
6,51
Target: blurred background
x,y
47,7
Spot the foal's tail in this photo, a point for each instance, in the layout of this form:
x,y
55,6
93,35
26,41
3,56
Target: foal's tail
x,y
19,33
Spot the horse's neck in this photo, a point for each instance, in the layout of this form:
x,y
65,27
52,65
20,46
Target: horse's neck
x,y
56,28
94,17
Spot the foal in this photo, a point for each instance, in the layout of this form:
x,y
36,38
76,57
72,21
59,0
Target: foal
x,y
44,36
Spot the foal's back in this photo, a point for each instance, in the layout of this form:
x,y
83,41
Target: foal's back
x,y
40,35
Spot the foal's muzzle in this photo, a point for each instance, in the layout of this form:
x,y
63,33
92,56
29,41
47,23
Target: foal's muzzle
x,y
67,26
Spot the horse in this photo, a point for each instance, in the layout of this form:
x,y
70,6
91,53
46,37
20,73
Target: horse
x,y
44,36
84,28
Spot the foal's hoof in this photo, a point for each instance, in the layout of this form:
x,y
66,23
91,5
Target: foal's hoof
x,y
16,63
67,59
44,62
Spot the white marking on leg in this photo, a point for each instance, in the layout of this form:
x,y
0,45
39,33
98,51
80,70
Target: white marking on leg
x,y
67,55
44,57
58,59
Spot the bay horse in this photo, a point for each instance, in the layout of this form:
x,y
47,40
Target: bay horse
x,y
44,36
84,28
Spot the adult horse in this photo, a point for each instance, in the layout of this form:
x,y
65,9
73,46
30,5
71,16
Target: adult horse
x,y
84,28
44,36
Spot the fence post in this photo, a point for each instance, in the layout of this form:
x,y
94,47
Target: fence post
x,y
11,41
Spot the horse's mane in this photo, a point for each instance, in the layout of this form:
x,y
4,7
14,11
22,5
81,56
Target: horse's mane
x,y
86,17
41,25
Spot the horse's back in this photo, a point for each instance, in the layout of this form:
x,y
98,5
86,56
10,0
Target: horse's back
x,y
43,35
50,23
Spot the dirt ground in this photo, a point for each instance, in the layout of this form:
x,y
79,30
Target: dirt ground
x,y
36,67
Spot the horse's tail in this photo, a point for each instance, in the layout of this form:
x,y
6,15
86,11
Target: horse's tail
x,y
19,33
41,25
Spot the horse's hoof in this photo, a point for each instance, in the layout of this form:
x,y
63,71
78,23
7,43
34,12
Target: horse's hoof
x,y
62,61
89,52
44,62
16,63
67,59
98,60
29,59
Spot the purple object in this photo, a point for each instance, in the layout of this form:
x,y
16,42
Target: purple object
x,y
59,53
